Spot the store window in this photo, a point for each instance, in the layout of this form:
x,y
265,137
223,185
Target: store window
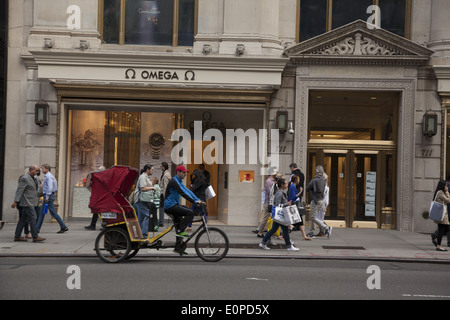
x,y
319,16
148,22
102,139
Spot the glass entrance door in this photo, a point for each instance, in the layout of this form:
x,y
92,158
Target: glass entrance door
x,y
360,185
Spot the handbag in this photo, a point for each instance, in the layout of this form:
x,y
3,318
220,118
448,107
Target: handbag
x,y
209,193
437,211
291,215
301,207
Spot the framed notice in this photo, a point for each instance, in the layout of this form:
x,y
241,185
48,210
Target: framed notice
x,y
246,176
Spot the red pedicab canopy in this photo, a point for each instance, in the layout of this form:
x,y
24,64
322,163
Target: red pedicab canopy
x,y
110,187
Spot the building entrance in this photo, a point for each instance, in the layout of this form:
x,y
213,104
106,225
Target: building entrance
x,y
353,136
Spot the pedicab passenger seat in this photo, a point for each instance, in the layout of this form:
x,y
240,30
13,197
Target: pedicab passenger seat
x,y
108,196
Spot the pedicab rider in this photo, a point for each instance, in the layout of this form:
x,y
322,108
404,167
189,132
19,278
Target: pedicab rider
x,y
182,215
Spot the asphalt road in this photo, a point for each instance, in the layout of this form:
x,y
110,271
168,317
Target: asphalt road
x,y
186,279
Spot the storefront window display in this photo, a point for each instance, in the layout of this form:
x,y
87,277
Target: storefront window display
x,y
102,139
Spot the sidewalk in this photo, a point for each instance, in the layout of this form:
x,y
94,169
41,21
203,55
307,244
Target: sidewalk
x,y
349,244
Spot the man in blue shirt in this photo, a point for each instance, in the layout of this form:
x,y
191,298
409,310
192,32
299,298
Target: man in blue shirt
x,y
49,188
182,215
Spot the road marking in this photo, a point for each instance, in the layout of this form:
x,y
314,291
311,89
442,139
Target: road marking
x,y
256,279
431,296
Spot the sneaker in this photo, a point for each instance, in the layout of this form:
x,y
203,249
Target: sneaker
x,y
329,230
311,235
292,248
90,227
263,246
182,235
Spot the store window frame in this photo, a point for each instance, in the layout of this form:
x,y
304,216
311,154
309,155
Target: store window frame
x,y
445,166
329,18
176,15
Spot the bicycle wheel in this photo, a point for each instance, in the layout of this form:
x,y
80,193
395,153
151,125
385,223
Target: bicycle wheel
x,y
211,244
113,245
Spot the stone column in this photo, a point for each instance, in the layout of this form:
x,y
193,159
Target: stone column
x,y
440,28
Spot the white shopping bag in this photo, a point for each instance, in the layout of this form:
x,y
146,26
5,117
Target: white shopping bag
x,y
291,215
209,193
278,215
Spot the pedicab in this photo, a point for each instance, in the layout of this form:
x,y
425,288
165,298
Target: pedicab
x,y
121,237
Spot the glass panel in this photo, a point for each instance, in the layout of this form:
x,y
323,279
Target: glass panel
x,y
186,23
334,166
313,18
149,22
353,115
389,197
393,16
364,182
111,21
346,11
122,138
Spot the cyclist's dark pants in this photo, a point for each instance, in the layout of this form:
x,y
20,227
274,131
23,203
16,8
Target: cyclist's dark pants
x,y
182,216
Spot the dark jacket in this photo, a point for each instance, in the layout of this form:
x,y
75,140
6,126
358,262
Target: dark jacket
x,y
316,188
199,189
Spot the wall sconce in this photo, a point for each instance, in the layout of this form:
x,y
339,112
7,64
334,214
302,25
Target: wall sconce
x,y
207,49
282,120
41,113
240,48
84,44
430,124
48,43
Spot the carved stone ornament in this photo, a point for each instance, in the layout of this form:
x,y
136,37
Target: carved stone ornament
x,y
358,45
354,43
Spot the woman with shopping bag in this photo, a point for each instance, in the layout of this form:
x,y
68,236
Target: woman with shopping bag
x,y
280,200
442,196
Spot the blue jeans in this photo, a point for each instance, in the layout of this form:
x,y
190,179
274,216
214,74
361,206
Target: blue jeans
x,y
52,210
275,227
143,213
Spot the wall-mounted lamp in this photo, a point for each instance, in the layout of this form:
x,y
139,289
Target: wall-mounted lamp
x,y
240,48
41,113
282,120
430,124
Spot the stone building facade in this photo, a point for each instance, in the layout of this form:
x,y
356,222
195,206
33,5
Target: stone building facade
x,y
120,76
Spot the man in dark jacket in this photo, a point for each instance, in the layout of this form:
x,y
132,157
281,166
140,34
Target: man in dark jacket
x,y
316,188
27,197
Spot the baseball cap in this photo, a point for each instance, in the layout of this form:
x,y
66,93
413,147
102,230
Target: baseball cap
x,y
181,168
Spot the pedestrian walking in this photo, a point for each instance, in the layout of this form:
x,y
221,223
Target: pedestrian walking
x,y
164,181
156,201
293,196
27,196
280,199
296,172
87,185
435,234
143,197
268,195
323,209
49,189
441,195
316,188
